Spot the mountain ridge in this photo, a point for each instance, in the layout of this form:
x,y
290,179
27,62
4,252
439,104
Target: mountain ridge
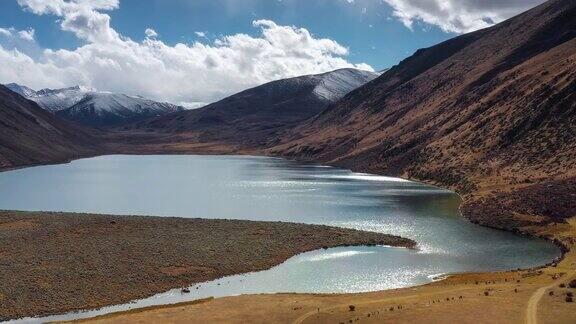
x,y
30,135
89,107
52,100
252,116
488,114
111,109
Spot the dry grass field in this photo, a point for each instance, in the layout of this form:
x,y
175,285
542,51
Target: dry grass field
x,y
52,263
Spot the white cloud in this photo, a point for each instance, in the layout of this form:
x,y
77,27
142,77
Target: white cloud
x,y
458,16
27,35
200,34
191,73
82,17
21,68
5,32
150,33
192,105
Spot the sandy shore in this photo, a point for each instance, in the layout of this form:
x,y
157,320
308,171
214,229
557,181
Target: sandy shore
x,y
526,296
53,263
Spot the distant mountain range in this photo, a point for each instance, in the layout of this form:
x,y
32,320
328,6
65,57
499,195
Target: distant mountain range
x,y
31,135
490,114
52,100
257,114
89,107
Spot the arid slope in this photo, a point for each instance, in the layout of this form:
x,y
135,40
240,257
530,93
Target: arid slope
x,y
255,117
31,135
491,114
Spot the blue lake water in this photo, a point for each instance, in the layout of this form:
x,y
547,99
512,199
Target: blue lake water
x,y
260,188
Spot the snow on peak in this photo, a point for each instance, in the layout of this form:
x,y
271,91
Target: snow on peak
x,y
20,89
77,98
52,100
112,109
329,86
336,84
74,89
100,102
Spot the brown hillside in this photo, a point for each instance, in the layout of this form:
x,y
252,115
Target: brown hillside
x,y
254,116
491,114
30,135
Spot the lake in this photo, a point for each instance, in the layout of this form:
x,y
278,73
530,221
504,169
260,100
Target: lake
x,y
261,188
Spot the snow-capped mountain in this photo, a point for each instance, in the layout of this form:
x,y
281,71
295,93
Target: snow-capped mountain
x,y
329,87
336,84
52,100
31,135
60,99
21,90
90,107
106,109
256,114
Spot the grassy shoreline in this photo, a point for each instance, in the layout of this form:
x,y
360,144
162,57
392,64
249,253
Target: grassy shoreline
x,y
529,295
53,263
546,231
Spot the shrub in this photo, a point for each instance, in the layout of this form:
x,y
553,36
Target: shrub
x,y
551,293
570,294
562,285
486,293
572,283
351,308
569,299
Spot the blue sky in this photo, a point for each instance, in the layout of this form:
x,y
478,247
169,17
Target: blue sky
x,y
373,35
197,51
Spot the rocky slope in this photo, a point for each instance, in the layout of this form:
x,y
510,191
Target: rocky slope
x,y
255,115
31,135
491,114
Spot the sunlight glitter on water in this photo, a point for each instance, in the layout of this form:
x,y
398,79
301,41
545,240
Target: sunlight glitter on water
x,y
267,189
333,255
366,177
